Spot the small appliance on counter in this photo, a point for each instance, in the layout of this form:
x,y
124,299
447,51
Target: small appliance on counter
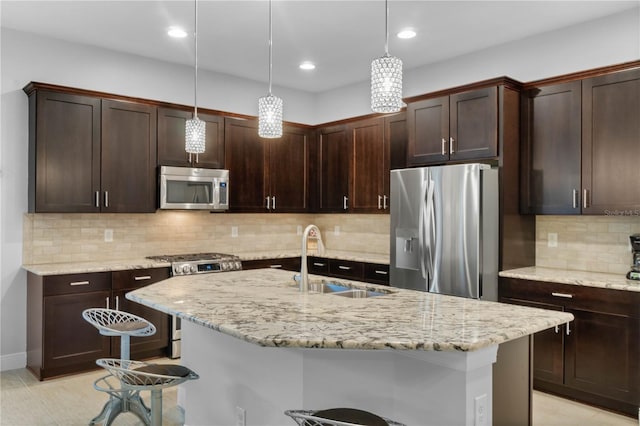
x,y
634,273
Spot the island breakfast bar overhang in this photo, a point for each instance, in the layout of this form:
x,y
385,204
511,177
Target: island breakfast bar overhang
x,y
261,347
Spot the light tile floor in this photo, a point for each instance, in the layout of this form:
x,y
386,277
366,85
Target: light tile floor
x,y
69,401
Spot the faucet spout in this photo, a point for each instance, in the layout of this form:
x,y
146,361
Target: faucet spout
x,y
304,274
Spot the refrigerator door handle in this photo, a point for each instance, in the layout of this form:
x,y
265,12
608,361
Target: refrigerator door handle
x,y
431,243
425,229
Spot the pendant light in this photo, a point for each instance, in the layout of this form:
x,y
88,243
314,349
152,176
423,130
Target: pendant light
x,y
386,78
195,128
270,107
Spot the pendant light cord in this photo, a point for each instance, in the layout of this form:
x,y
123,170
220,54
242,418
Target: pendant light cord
x,y
386,27
195,77
270,46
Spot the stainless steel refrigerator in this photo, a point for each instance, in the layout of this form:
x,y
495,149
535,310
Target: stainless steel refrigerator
x,y
444,230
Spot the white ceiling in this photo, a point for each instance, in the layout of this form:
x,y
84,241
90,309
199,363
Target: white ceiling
x,y
341,37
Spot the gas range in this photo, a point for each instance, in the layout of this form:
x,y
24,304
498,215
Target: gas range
x,y
200,263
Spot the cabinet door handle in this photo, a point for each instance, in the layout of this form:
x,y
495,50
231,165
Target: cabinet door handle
x,y
557,329
384,202
575,198
79,283
345,204
565,295
273,202
106,198
107,299
97,198
318,264
142,278
379,202
117,303
346,268
275,266
444,146
381,272
451,149
568,329
585,198
268,203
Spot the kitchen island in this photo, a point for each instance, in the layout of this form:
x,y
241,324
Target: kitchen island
x,y
261,347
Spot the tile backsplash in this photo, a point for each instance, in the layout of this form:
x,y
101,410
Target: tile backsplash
x,y
55,238
586,243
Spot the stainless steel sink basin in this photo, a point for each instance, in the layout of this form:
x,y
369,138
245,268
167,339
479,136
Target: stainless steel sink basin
x,y
356,293
325,287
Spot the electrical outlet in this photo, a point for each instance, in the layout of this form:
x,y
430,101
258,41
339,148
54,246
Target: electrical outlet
x,y
336,230
108,235
480,407
234,231
241,419
552,239
299,230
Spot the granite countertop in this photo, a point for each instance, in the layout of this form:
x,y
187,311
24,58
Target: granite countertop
x,y
582,278
264,307
143,263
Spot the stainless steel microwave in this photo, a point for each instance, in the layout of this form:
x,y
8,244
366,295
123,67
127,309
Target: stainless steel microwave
x,y
189,188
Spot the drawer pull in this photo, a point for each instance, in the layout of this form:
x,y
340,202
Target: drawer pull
x,y
79,283
346,268
565,295
568,329
142,278
381,272
319,264
275,266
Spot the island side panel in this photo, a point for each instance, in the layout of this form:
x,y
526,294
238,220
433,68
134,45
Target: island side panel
x,y
413,387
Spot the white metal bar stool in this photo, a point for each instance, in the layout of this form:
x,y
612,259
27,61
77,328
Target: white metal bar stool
x,y
339,417
140,376
122,324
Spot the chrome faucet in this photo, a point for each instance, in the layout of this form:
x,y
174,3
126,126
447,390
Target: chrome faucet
x,y
304,274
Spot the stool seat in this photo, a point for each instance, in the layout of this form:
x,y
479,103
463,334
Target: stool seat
x,y
338,417
111,322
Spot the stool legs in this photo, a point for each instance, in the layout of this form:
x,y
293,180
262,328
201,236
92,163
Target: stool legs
x,y
156,407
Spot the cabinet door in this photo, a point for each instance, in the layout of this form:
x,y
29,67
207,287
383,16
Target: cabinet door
x,y
71,343
128,157
287,171
369,166
395,128
333,173
245,155
602,355
473,124
551,149
171,135
610,147
64,136
428,126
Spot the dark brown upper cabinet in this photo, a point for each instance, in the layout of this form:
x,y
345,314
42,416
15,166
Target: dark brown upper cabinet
x,y
88,154
369,160
266,174
128,171
459,127
171,134
611,144
551,146
332,178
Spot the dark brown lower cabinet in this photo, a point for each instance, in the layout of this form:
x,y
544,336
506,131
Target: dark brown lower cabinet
x,y
595,358
287,263
60,341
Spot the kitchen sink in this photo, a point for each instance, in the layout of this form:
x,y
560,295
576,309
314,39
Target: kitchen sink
x,y
327,287
356,293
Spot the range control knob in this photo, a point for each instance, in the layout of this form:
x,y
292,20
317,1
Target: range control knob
x,y
177,270
194,269
185,269
238,265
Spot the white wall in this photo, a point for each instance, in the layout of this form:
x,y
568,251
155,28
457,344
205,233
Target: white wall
x,y
26,58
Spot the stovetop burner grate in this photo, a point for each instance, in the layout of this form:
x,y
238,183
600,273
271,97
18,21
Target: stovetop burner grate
x,y
191,257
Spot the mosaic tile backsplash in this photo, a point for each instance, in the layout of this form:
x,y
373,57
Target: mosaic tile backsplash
x,y
55,238
586,243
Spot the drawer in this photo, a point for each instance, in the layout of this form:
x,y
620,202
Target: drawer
x,y
76,283
376,273
286,263
346,269
136,278
318,265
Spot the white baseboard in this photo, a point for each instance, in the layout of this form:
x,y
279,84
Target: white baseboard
x,y
13,361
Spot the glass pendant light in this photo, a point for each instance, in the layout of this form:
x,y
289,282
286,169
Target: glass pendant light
x,y
195,128
270,107
386,78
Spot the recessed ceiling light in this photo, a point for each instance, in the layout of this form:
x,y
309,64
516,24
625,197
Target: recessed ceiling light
x,y
307,65
177,32
408,33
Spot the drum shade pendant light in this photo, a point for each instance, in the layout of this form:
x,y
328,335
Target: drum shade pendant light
x,y
195,128
270,107
386,78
